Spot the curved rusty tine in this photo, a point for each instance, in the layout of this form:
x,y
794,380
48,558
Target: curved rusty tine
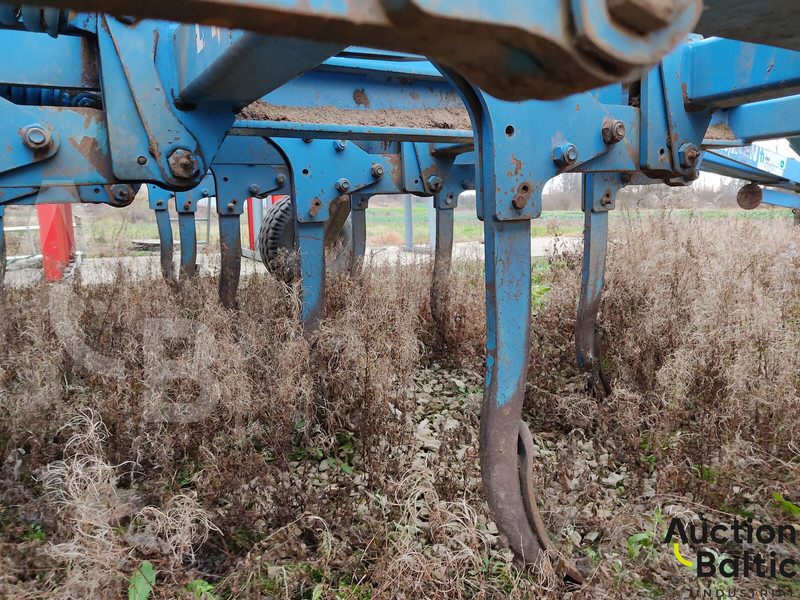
x,y
525,452
587,342
159,202
442,259
230,245
599,192
2,255
359,203
508,308
188,236
509,179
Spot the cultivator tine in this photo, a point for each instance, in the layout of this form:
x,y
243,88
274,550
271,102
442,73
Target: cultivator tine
x,y
359,218
508,324
311,250
2,255
441,260
165,237
188,234
525,453
230,243
598,198
159,202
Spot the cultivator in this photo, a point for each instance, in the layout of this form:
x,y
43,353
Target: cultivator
x,y
508,97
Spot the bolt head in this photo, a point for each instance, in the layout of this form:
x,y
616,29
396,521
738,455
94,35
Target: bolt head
x,y
435,184
688,155
231,206
187,205
37,138
377,171
122,193
254,189
280,179
341,145
613,131
565,155
183,164
160,203
343,185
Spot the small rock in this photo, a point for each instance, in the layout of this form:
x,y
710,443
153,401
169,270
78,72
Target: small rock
x,y
323,465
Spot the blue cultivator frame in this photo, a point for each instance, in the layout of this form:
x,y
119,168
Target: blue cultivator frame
x,y
135,101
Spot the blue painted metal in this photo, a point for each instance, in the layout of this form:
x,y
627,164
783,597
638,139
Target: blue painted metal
x,y
544,50
722,73
776,198
234,68
765,120
28,61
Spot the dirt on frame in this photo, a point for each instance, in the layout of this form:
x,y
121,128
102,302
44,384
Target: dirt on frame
x,y
153,439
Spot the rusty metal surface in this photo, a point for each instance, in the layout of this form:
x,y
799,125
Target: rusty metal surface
x,y
165,236
528,487
442,258
188,236
750,196
587,343
230,243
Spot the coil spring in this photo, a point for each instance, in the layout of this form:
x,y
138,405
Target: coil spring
x,y
34,18
29,96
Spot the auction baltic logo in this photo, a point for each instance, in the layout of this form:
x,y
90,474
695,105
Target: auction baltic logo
x,y
763,564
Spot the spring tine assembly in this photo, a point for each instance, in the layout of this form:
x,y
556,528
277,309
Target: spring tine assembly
x,y
358,206
445,203
599,192
159,202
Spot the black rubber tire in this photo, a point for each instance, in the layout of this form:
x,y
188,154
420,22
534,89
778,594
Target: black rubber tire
x,y
277,244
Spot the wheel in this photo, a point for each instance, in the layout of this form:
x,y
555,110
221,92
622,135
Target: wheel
x,y
277,244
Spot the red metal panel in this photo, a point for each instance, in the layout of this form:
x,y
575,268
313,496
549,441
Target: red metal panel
x,y
250,226
57,238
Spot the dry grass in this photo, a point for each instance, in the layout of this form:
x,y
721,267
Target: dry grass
x,y
139,424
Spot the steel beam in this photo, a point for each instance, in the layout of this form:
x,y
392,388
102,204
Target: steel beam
x,y
234,68
720,73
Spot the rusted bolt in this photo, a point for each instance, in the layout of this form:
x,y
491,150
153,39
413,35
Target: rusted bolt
x,y
37,138
606,199
160,203
122,192
142,160
520,199
307,140
343,185
231,206
340,145
204,192
688,155
377,171
467,184
280,179
435,184
643,16
565,155
253,189
183,164
613,131
187,205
